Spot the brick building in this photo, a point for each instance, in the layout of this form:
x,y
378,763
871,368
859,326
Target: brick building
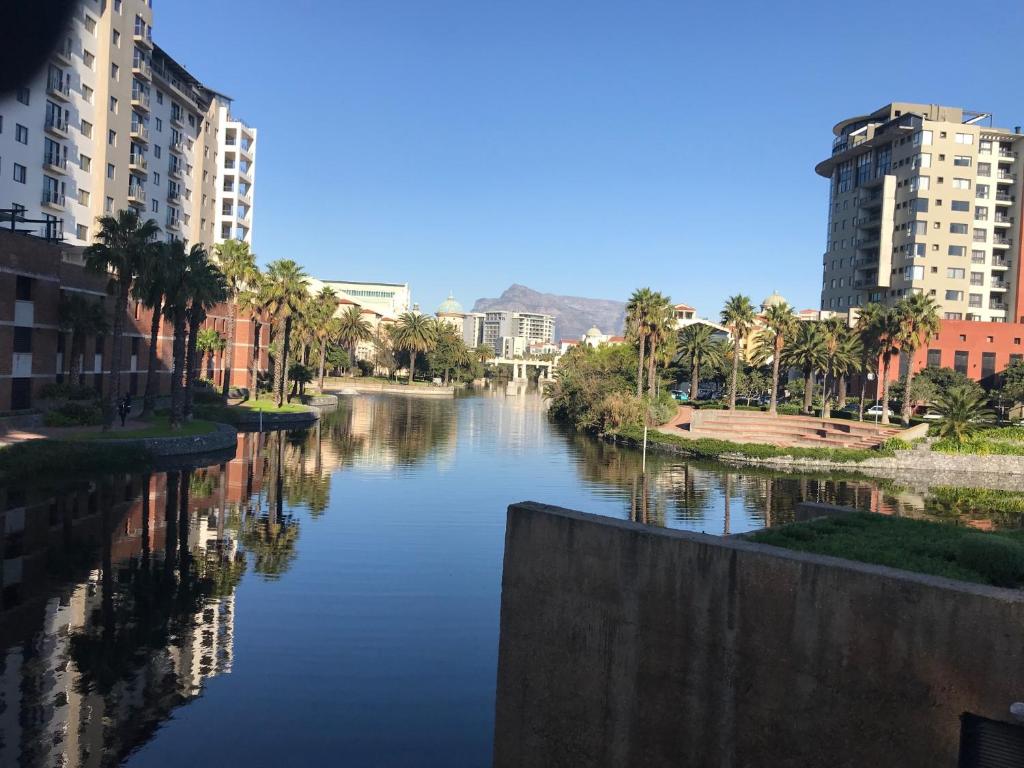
x,y
34,351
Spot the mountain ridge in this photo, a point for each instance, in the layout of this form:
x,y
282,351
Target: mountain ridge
x,y
574,315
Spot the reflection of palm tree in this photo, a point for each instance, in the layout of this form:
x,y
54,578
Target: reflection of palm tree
x,y
271,538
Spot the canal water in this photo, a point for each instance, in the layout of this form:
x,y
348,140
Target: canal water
x,y
325,597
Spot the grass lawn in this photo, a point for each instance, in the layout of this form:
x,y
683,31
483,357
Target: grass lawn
x,y
267,406
158,427
940,549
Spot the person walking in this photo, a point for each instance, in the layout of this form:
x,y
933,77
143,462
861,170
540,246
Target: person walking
x,y
125,408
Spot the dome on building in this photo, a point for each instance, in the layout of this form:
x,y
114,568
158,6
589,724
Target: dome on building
x,y
593,332
450,306
773,301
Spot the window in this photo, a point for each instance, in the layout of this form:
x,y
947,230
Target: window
x,y
20,134
958,229
112,137
155,206
108,206
959,205
984,169
159,97
86,129
980,235
988,364
962,160
116,39
156,150
83,197
922,138
974,300
19,173
110,171
919,183
88,59
965,138
156,179
22,340
87,93
90,24
81,232
961,183
981,191
113,104
981,213
117,6
953,316
934,358
955,273
84,162
977,257
958,250
913,273
915,227
924,160
115,72
954,295
977,278
159,125
23,96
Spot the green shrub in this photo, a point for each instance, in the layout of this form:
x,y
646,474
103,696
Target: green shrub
x,y
66,392
663,409
894,444
74,414
999,559
205,395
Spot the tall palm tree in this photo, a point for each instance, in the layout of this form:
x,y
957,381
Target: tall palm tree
x,y
738,317
660,337
698,347
638,314
240,271
208,343
806,351
325,325
178,264
121,248
842,355
917,320
285,291
83,317
352,329
415,334
148,290
780,325
887,332
207,288
869,325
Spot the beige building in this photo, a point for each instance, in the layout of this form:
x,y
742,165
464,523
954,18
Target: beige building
x,y
113,121
924,198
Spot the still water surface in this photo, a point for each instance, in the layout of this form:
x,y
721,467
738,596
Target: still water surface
x,y
326,597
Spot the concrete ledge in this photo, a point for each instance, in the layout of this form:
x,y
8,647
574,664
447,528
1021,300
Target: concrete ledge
x,y
623,644
320,401
221,438
362,387
251,421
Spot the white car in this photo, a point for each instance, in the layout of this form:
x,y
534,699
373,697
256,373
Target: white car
x,y
876,410
932,416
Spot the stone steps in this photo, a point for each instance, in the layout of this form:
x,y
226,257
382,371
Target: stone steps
x,y
804,431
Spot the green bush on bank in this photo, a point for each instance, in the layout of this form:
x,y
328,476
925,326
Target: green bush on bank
x,y
74,413
978,446
939,549
66,392
27,460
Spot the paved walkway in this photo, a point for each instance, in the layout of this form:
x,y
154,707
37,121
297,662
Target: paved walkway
x,y
20,435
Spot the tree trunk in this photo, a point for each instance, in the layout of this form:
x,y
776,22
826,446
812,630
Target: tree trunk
x,y
323,361
652,370
75,364
177,369
826,399
640,367
352,360
907,400
735,373
286,343
278,385
773,403
841,394
209,364
885,388
191,369
808,390
695,379
152,386
412,363
255,362
863,393
229,358
117,339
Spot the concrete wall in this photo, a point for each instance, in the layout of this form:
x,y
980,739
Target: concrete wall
x,y
632,646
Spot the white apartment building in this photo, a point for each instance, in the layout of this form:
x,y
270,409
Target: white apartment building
x,y
531,327
388,300
473,329
112,122
924,199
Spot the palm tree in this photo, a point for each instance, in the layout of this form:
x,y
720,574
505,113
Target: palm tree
x,y
963,409
870,322
841,355
887,332
177,293
251,304
780,325
207,288
284,292
121,248
148,290
806,351
82,317
327,326
917,318
415,334
208,343
738,317
240,271
660,338
352,329
638,315
698,347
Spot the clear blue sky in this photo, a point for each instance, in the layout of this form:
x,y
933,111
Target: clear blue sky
x,y
577,147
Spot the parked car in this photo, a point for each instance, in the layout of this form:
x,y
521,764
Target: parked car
x,y
682,395
876,410
931,416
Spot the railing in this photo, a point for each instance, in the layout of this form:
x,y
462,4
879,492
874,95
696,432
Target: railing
x,y
53,197
137,192
173,222
138,129
177,118
56,122
177,146
65,51
999,284
1001,262
175,169
60,85
173,195
143,32
1000,241
140,97
139,161
1004,175
143,66
996,305
977,259
55,159
1008,154
1003,197
1002,218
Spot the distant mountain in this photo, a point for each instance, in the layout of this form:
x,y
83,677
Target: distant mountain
x,y
574,315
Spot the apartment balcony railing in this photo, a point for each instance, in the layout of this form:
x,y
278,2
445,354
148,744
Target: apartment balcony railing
x,y
136,193
142,67
53,198
140,99
56,123
177,147
173,195
1001,263
999,285
1002,197
64,52
137,162
175,170
143,34
173,222
996,305
59,87
1007,154
999,240
1005,176
177,118
55,160
1002,218
140,131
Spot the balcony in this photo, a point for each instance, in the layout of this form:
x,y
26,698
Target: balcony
x,y
1002,198
137,163
54,161
142,68
177,118
53,199
140,99
1000,263
175,170
997,305
1000,242
59,87
1005,177
143,34
1007,156
246,147
57,125
63,52
999,285
1002,220
136,194
177,147
140,131
173,222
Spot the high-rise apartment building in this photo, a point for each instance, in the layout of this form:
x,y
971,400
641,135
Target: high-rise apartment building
x,y
529,327
924,199
111,122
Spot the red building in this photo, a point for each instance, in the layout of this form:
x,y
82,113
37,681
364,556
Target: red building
x,y
35,351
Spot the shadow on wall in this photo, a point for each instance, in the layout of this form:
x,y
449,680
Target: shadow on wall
x,y
627,645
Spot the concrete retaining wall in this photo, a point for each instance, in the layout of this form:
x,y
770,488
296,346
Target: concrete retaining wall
x,y
221,439
633,646
357,385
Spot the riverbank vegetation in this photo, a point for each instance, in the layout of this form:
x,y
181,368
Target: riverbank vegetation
x,y
938,549
40,459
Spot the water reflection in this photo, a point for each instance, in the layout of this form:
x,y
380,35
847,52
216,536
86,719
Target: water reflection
x,y
377,533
